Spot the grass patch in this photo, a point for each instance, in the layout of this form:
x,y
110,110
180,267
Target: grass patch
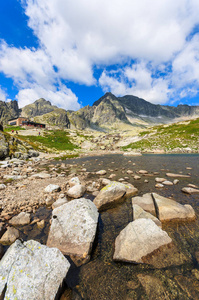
x,y
9,128
54,140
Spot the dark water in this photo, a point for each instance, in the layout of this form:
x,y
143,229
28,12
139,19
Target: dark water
x,y
102,278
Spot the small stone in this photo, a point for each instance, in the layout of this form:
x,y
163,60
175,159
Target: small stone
x,y
101,172
76,191
74,181
59,202
136,177
21,219
143,172
175,181
159,185
52,188
9,236
159,180
41,224
2,186
49,201
167,182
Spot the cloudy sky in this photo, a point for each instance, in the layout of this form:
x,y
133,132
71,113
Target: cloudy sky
x,y
73,51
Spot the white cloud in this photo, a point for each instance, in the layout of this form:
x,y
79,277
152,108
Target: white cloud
x,y
137,80
3,95
77,36
63,97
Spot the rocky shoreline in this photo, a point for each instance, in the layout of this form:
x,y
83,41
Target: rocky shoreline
x,y
67,189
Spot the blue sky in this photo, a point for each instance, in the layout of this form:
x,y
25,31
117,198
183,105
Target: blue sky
x,y
73,51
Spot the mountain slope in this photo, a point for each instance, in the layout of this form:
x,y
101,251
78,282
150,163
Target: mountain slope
x,y
8,110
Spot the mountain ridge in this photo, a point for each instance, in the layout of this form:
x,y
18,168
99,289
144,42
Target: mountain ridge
x,y
107,112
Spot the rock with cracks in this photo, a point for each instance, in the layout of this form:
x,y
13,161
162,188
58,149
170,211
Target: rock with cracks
x,y
139,239
171,210
73,227
33,271
113,193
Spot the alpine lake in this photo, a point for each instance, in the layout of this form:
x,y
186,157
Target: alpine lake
x,y
102,278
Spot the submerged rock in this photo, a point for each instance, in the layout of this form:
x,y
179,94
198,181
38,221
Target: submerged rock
x,y
139,239
113,193
73,227
153,287
33,271
21,219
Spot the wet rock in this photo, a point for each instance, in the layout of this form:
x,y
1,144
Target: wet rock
x,y
74,181
31,270
139,213
21,219
195,272
159,185
73,227
41,224
167,182
143,172
2,186
9,236
186,284
159,180
76,191
169,209
177,175
189,190
176,181
101,172
145,202
113,193
52,188
59,202
139,239
153,287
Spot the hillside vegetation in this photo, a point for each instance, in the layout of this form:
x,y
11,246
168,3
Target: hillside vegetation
x,y
178,137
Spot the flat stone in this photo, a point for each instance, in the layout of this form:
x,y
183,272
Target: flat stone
x,y
73,227
159,185
172,210
52,188
9,236
189,190
143,172
101,172
139,239
22,218
76,191
41,176
145,202
139,213
177,175
192,186
113,193
129,172
33,271
167,182
159,180
136,177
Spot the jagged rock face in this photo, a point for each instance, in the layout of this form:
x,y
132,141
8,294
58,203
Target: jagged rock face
x,y
82,118
57,117
38,108
8,110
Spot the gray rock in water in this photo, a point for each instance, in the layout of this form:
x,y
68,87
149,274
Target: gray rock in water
x,y
21,219
139,239
73,227
190,190
113,193
139,213
76,191
33,271
169,209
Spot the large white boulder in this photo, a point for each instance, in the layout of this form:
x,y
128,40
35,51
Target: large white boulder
x,y
33,271
139,239
112,193
73,227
